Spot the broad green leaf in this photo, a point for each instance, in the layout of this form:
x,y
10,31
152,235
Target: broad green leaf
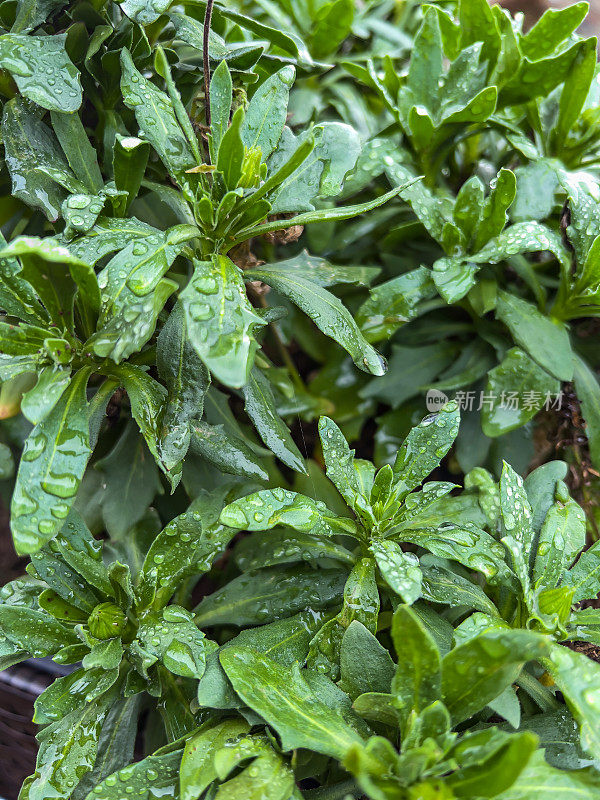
x,y
547,342
42,70
514,507
181,548
147,398
365,665
360,602
400,570
285,699
577,677
32,154
156,117
259,404
34,631
226,450
270,507
267,111
441,585
583,575
393,303
561,539
220,320
116,743
134,292
425,446
352,481
155,774
31,13
271,594
283,547
327,311
539,780
39,401
553,28
416,683
493,213
171,636
52,466
144,11
478,671
68,750
521,387
197,765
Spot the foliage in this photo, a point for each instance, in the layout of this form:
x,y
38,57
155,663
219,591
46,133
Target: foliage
x,y
232,246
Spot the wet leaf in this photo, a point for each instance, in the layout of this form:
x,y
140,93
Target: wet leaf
x,y
51,469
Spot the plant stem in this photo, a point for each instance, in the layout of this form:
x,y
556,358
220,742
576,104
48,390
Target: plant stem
x,y
206,60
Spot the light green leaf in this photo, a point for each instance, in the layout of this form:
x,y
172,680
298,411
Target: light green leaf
x,y
220,320
326,310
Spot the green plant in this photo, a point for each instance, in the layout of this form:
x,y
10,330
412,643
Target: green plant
x,y
248,608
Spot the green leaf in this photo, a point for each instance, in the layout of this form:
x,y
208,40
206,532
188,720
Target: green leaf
x,y
155,116
134,292
441,585
267,111
361,602
393,303
521,387
181,646
352,481
576,676
42,70
365,665
187,381
146,397
220,320
130,157
271,594
259,404
182,547
283,547
400,570
588,394
157,773
425,446
68,750
52,466
226,450
143,11
583,575
476,672
230,159
78,150
130,482
546,341
416,683
561,539
220,105
197,765
34,631
270,507
32,154
285,699
539,780
326,310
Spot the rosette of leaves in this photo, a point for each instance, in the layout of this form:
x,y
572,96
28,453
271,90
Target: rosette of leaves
x,y
92,317
480,312
113,621
385,508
